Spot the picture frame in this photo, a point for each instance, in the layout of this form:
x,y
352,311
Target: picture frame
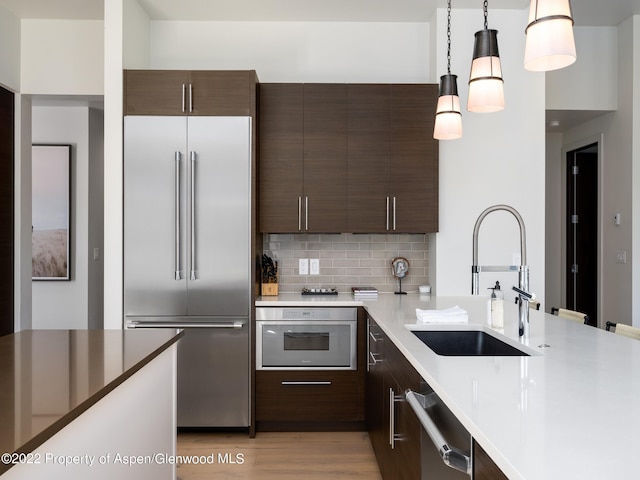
x,y
51,212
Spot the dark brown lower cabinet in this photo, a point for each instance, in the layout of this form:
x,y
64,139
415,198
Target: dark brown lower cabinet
x,y
483,467
393,427
307,399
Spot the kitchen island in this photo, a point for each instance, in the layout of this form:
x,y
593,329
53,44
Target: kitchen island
x,y
88,404
569,410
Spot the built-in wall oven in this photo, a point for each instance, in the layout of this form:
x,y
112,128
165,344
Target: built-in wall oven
x,y
306,338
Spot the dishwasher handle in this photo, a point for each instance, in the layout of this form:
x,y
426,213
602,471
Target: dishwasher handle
x,y
451,456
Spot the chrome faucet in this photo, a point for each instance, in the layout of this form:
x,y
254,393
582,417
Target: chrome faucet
x,y
523,270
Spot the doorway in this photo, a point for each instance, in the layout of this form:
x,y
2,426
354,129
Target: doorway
x,y
6,211
582,231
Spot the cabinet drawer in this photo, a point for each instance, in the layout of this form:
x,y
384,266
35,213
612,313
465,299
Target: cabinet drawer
x,y
288,396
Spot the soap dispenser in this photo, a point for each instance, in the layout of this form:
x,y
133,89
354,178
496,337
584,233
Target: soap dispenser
x,y
497,306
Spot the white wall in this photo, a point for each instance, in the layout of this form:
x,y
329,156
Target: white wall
x,y
591,82
499,159
113,191
297,51
553,221
633,87
64,304
9,50
95,240
22,215
136,36
62,57
618,154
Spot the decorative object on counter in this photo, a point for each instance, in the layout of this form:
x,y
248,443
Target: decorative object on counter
x,y
550,44
486,86
364,292
447,315
496,306
269,276
319,291
425,289
448,124
400,269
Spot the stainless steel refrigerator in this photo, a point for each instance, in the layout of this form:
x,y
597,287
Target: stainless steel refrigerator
x,y
187,241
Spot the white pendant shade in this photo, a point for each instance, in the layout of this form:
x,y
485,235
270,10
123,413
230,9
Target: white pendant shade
x,y
486,88
550,44
448,124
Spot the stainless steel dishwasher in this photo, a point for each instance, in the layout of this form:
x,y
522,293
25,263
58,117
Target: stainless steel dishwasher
x,y
445,443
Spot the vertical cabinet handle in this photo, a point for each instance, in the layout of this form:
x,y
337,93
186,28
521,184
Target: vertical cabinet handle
x,y
177,217
306,213
184,100
387,213
392,419
193,216
299,213
394,214
190,98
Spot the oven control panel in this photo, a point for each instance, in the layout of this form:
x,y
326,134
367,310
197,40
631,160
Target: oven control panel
x,y
306,313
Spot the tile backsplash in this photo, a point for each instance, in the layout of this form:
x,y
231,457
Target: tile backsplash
x,y
348,260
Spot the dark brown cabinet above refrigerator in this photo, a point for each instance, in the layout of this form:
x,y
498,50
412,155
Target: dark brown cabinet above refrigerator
x,y
356,158
185,92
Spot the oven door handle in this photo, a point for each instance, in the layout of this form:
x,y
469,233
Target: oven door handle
x,y
306,334
451,456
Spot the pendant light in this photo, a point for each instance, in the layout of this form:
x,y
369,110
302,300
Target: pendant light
x,y
448,125
486,87
550,44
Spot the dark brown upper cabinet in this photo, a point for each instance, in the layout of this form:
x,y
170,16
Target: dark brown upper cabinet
x,y
414,158
281,147
182,92
356,158
392,159
325,158
369,191
303,158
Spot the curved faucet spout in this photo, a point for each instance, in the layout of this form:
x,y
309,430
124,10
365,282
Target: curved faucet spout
x,y
514,212
523,270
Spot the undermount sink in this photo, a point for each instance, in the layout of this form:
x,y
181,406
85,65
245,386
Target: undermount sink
x,y
466,343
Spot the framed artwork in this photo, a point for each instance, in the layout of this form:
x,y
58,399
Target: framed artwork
x,y
50,212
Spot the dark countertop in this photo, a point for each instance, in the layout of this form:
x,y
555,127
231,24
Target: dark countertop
x,y
49,377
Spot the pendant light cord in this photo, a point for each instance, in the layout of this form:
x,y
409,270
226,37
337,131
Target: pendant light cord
x,y
449,37
486,14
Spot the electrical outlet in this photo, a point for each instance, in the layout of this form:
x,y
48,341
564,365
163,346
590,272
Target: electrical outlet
x,y
621,257
303,266
314,266
516,259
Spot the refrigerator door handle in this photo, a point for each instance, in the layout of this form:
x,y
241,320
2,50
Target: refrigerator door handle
x,y
177,217
193,216
234,325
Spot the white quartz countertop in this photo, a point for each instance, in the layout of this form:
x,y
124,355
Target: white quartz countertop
x,y
569,411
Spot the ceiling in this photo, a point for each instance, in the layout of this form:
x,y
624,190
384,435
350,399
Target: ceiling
x,y
586,12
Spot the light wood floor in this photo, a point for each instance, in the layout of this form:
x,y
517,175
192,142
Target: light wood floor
x,y
278,456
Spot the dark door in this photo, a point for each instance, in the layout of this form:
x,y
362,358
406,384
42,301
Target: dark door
x,y
6,211
582,231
